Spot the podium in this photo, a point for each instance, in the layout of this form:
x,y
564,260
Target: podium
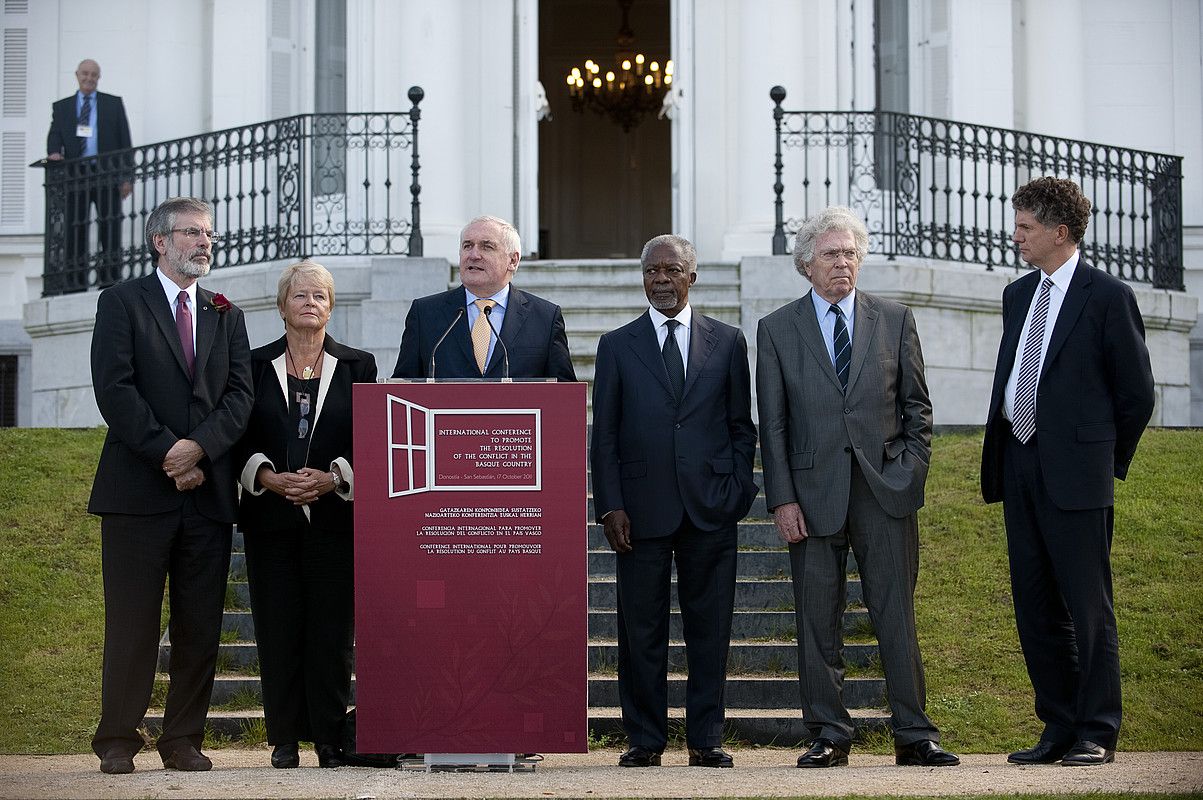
x,y
471,593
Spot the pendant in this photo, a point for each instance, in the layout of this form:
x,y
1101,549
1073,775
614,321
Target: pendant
x,y
307,373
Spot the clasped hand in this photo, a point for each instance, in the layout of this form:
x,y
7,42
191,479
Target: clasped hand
x,y
300,488
180,464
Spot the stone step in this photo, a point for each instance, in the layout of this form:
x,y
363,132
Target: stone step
x,y
779,658
763,625
776,626
750,594
748,563
574,272
740,691
763,726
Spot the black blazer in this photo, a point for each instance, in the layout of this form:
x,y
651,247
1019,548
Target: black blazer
x,y
533,332
271,428
654,457
146,397
1095,394
112,127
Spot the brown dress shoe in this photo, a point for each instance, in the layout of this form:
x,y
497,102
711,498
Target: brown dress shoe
x,y
187,758
116,762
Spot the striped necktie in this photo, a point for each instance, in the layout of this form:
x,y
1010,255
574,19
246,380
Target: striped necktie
x,y
1024,422
842,346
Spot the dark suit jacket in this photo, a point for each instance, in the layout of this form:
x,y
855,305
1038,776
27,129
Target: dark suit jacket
x,y
112,127
533,331
146,397
654,457
808,424
1095,394
271,428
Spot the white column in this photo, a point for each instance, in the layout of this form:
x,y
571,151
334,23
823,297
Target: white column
x,y
1050,94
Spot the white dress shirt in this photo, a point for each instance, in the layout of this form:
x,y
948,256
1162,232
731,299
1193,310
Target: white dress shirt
x,y
1061,279
682,333
172,290
826,318
497,316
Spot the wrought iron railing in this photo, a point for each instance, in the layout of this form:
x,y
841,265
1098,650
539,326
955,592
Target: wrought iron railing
x,y
939,189
305,186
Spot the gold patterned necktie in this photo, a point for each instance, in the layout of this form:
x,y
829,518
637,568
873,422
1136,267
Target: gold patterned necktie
x,y
481,333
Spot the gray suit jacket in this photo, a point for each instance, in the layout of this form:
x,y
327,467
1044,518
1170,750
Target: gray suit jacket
x,y
809,426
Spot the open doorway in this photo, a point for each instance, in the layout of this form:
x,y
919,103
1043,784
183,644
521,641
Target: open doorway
x,y
603,192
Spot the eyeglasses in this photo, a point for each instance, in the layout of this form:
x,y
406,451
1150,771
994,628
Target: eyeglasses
x,y
194,233
830,256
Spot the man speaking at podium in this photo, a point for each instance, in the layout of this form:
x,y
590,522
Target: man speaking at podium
x,y
463,324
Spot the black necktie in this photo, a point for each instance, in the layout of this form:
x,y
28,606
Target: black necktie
x,y
85,117
843,347
672,359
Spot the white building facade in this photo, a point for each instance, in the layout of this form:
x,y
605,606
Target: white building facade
x,y
579,188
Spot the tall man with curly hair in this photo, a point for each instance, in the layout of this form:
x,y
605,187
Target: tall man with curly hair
x,y
1073,391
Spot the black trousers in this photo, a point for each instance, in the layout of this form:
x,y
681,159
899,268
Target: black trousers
x,y
1061,585
706,593
106,197
303,603
139,553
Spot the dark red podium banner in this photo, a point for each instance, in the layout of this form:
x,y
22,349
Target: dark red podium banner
x,y
471,594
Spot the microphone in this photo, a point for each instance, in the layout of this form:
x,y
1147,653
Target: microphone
x,y
446,333
505,352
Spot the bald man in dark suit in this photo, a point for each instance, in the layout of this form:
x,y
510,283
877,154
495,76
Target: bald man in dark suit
x,y
461,322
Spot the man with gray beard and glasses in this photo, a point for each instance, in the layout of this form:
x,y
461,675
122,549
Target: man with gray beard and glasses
x,y
171,373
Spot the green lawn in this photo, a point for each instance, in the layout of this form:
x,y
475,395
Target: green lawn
x,y
51,625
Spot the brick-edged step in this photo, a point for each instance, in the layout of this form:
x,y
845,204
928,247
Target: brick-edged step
x,y
750,593
744,658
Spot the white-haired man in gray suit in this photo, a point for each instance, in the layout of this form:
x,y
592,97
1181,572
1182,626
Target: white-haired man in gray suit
x,y
845,431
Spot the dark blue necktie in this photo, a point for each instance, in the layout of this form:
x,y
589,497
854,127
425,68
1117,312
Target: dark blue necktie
x,y
843,347
85,118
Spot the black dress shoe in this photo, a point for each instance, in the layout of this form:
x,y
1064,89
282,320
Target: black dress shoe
x,y
188,759
329,756
1087,754
639,757
923,753
116,762
1045,752
285,756
710,757
824,753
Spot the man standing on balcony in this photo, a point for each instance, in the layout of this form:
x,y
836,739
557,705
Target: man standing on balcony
x,y
845,436
86,125
463,323
673,446
171,370
1073,391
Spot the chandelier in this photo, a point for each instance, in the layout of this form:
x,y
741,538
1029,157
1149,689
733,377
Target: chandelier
x,y
633,88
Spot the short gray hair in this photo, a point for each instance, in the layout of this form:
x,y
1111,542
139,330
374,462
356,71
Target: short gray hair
x,y
303,269
510,239
835,218
683,246
162,219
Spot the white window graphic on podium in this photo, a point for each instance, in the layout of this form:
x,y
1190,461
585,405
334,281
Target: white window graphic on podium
x,y
463,449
